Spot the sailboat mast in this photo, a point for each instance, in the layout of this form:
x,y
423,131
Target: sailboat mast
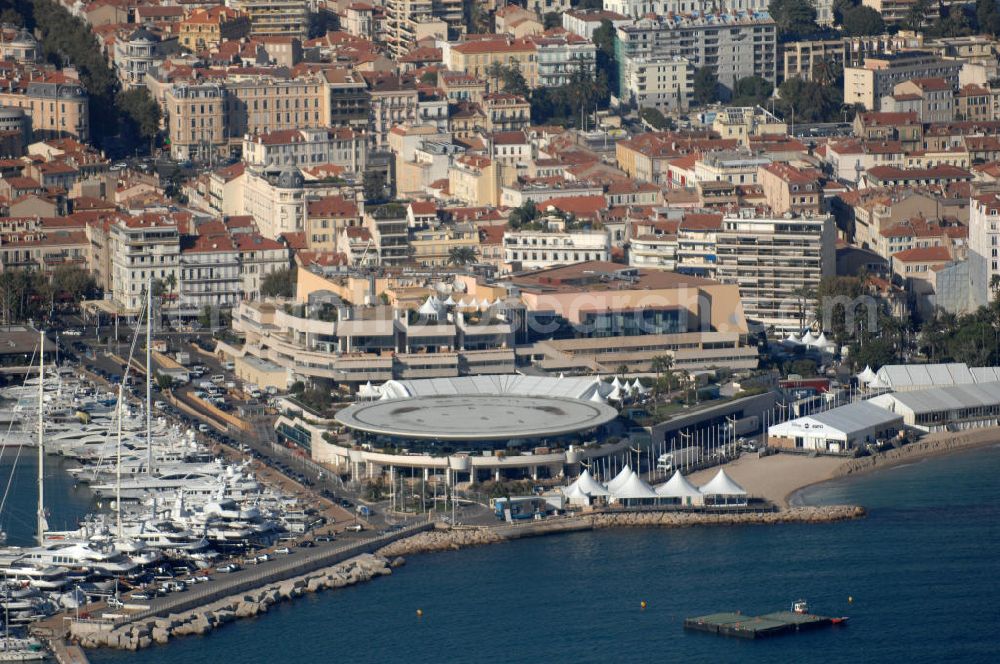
x,y
149,374
118,468
41,451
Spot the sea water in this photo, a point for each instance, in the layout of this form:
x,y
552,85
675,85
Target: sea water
x,y
919,578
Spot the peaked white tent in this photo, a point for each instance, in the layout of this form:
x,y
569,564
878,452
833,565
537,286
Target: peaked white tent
x,y
807,338
866,376
634,490
722,490
616,394
431,307
449,302
680,490
367,391
620,479
792,339
596,396
616,382
575,496
591,486
638,387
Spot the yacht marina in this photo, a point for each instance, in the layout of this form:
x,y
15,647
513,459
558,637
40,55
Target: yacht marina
x,y
165,511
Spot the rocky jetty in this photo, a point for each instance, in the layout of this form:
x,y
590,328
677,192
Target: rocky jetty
x,y
933,445
440,540
824,514
143,633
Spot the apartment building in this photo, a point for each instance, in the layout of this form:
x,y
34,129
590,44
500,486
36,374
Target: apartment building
x,y
879,75
325,219
560,55
136,55
359,20
984,247
275,18
533,250
895,12
195,118
409,21
276,199
142,248
932,99
208,273
799,58
258,257
57,103
663,83
347,104
734,45
638,8
304,148
389,228
476,57
393,101
776,261
432,247
790,189
204,29
506,112
19,45
261,103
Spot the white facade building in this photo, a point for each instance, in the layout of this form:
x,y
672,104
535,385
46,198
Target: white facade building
x,y
542,249
209,273
258,257
637,8
658,252
984,246
776,261
304,148
663,83
276,200
142,248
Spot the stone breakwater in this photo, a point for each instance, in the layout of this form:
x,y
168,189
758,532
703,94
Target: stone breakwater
x,y
933,445
144,633
440,540
824,514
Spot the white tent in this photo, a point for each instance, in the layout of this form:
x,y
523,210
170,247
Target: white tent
x,y
638,387
807,338
823,343
430,307
366,391
634,489
596,396
575,496
866,376
616,394
449,302
793,339
461,303
621,478
721,489
680,487
590,486
616,382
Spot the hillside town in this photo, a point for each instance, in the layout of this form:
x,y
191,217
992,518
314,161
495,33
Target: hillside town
x,y
278,272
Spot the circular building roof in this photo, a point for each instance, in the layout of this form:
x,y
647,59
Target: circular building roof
x,y
476,416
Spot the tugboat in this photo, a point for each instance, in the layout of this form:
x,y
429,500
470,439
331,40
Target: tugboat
x,y
800,606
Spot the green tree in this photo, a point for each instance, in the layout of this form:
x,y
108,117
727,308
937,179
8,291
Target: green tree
x,y
163,381
914,19
73,283
663,364
607,63
280,283
863,21
655,119
141,112
706,86
23,294
373,185
804,368
429,78
988,16
751,91
461,255
809,101
794,19
513,81
522,215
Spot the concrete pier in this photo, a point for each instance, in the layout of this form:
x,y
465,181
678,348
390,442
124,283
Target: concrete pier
x,y
67,654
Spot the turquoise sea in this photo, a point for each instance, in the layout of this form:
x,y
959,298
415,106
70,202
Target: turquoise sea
x,y
923,570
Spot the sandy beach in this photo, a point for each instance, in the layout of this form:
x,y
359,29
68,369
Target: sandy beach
x,y
778,476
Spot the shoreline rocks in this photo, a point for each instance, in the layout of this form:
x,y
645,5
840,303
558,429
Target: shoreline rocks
x,y
143,633
822,514
935,445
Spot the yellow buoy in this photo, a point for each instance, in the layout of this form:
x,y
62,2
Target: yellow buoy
x,y
420,612
643,604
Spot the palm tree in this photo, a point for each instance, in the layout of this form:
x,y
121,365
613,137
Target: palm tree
x,y
462,255
663,364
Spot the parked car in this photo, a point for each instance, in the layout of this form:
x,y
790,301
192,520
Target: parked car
x,y
283,550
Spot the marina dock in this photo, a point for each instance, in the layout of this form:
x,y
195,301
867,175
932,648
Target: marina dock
x,y
744,626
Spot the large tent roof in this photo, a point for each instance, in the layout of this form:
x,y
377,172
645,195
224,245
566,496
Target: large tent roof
x,y
621,478
588,485
677,486
937,399
849,419
633,489
722,485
